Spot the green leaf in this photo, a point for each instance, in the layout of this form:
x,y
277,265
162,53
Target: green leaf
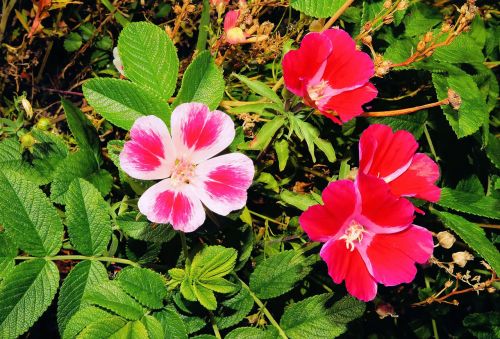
x,y
149,58
470,203
305,130
265,134
259,88
26,293
317,8
82,129
278,274
110,296
142,229
102,180
28,216
202,82
82,318
172,323
234,310
122,102
8,250
205,296
282,151
300,200
12,159
472,113
132,330
153,327
421,19
463,49
74,288
219,285
213,262
103,328
312,318
493,150
87,218
73,42
473,235
48,153
147,286
483,325
413,123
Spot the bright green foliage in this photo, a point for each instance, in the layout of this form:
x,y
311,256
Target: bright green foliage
x,y
202,82
87,218
122,102
74,288
312,318
12,159
235,309
474,236
26,293
493,150
82,318
265,134
28,216
147,286
463,48
102,180
250,333
103,328
309,133
73,42
317,8
141,229
82,129
259,88
172,324
283,152
49,151
279,274
8,250
133,329
153,327
413,123
470,203
149,58
110,296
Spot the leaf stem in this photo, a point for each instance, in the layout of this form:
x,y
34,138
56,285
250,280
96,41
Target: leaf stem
x,y
337,14
201,43
82,257
264,309
185,250
404,111
214,326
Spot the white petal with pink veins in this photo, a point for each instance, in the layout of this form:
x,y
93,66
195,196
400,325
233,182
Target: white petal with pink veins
x,y
173,203
150,153
199,134
222,182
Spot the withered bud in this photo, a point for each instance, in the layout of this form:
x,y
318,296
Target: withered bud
x,y
491,289
463,9
428,37
388,19
316,25
385,310
367,26
27,107
402,5
454,99
448,283
429,53
387,4
461,258
421,46
367,40
446,27
446,239
469,16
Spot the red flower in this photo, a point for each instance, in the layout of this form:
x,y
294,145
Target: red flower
x,y
233,33
330,74
369,236
391,156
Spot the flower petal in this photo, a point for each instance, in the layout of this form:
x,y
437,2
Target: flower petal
x,y
222,182
306,63
393,256
199,134
347,265
346,66
150,154
178,205
382,211
418,180
385,154
231,19
348,104
321,222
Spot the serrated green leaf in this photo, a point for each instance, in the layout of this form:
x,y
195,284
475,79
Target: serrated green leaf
x,y
493,150
462,48
87,218
82,129
474,236
235,309
153,327
147,286
483,325
172,323
26,293
219,285
149,58
265,134
82,318
420,19
48,153
8,250
102,328
249,333
142,229
213,262
413,123
347,309
102,180
110,296
202,82
470,203
28,216
282,151
132,330
12,160
259,88
278,274
73,42
317,8
74,288
205,296
122,102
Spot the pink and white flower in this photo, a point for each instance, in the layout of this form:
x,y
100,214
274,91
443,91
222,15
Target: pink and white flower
x,y
368,234
391,156
192,176
117,61
232,32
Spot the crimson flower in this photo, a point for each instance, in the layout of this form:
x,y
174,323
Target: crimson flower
x,y
186,163
330,74
391,156
368,234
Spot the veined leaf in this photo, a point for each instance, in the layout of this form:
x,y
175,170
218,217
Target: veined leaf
x,y
103,328
282,151
259,88
26,293
82,318
205,296
87,218
149,58
153,327
132,330
147,286
301,201
265,134
317,8
250,333
235,309
213,262
74,288
202,82
12,159
122,102
172,323
470,203
142,229
49,151
28,216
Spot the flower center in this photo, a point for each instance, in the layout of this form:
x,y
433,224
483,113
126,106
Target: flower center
x,y
317,92
352,234
183,171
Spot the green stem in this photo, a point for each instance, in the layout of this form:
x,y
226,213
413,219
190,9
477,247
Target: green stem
x,y
433,321
201,44
267,218
185,248
118,16
264,309
429,141
83,257
214,326
7,7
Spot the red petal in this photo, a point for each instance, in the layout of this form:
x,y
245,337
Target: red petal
x,y
393,256
418,180
348,104
230,20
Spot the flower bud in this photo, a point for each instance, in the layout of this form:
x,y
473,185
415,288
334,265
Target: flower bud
x,y
461,258
446,239
428,37
367,40
388,19
421,46
44,124
27,107
454,99
385,310
403,4
387,4
27,141
446,27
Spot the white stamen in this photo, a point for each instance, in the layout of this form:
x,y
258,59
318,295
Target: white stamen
x,y
352,234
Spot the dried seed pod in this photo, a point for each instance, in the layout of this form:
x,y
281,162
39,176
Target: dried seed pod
x,y
454,99
421,46
461,258
446,239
